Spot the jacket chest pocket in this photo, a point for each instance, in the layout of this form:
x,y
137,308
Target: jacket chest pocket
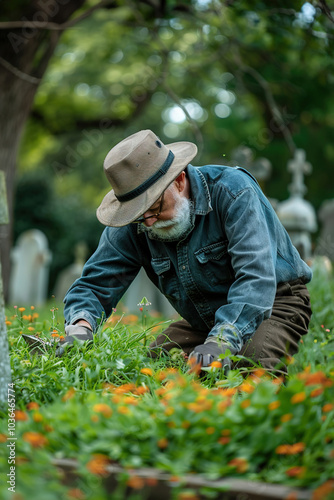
x,y
167,278
215,262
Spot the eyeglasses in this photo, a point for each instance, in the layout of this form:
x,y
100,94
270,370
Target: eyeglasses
x,y
143,219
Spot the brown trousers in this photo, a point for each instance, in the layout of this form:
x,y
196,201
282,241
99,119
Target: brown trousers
x,y
274,340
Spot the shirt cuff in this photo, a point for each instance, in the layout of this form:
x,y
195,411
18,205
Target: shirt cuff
x,y
227,333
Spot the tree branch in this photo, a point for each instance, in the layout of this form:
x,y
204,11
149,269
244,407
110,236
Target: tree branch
x,y
276,114
325,9
20,74
54,26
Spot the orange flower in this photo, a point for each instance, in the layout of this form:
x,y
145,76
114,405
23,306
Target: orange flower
x,y
316,392
20,415
286,417
296,471
124,410
316,378
98,464
246,387
151,481
69,394
186,424
3,438
7,322
274,405
162,443
287,449
187,495
216,364
35,439
210,430
30,328
22,309
104,409
327,407
130,400
146,371
224,440
298,397
240,464
135,482
323,491
225,432
32,405
245,403
76,493
54,334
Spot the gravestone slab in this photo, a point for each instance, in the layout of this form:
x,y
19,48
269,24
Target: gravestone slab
x,y
30,269
68,276
325,243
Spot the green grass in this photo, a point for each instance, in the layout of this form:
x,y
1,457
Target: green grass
x,y
109,398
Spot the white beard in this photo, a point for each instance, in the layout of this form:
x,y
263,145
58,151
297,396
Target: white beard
x,y
176,227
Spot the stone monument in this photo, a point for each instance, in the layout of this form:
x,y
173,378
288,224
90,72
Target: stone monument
x,y
30,269
296,214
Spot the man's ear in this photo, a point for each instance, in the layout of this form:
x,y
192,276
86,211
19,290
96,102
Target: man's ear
x,y
180,181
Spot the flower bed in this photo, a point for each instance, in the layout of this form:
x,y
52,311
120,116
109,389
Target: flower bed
x,y
109,406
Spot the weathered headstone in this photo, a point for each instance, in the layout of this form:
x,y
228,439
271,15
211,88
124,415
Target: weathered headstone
x,y
30,269
68,276
260,167
296,214
325,243
5,372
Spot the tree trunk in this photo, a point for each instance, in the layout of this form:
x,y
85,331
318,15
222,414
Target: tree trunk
x,y
24,56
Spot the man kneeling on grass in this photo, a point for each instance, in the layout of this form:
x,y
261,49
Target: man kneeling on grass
x,y
209,239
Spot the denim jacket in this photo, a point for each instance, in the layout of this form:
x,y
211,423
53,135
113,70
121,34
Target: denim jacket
x,y
221,277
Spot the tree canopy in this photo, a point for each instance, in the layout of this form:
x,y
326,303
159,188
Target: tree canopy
x,y
218,73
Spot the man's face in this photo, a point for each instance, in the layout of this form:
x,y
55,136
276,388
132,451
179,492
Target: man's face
x,y
174,218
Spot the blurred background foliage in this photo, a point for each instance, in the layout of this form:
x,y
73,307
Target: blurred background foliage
x,y
218,73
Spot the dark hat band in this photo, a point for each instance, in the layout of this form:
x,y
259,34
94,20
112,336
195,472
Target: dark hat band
x,y
149,182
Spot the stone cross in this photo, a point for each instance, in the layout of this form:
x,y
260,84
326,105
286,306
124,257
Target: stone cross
x,y
298,167
261,167
5,372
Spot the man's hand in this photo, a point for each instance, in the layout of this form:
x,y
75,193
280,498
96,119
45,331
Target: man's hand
x,y
74,332
212,348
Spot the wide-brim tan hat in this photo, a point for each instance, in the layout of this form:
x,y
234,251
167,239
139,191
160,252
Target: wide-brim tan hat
x,y
139,169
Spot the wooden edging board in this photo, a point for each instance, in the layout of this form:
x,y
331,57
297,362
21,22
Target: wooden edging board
x,y
158,484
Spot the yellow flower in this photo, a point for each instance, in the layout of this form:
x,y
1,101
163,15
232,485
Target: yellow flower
x,y
146,371
274,405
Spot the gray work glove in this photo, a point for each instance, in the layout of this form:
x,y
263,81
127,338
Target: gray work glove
x,y
210,351
73,332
